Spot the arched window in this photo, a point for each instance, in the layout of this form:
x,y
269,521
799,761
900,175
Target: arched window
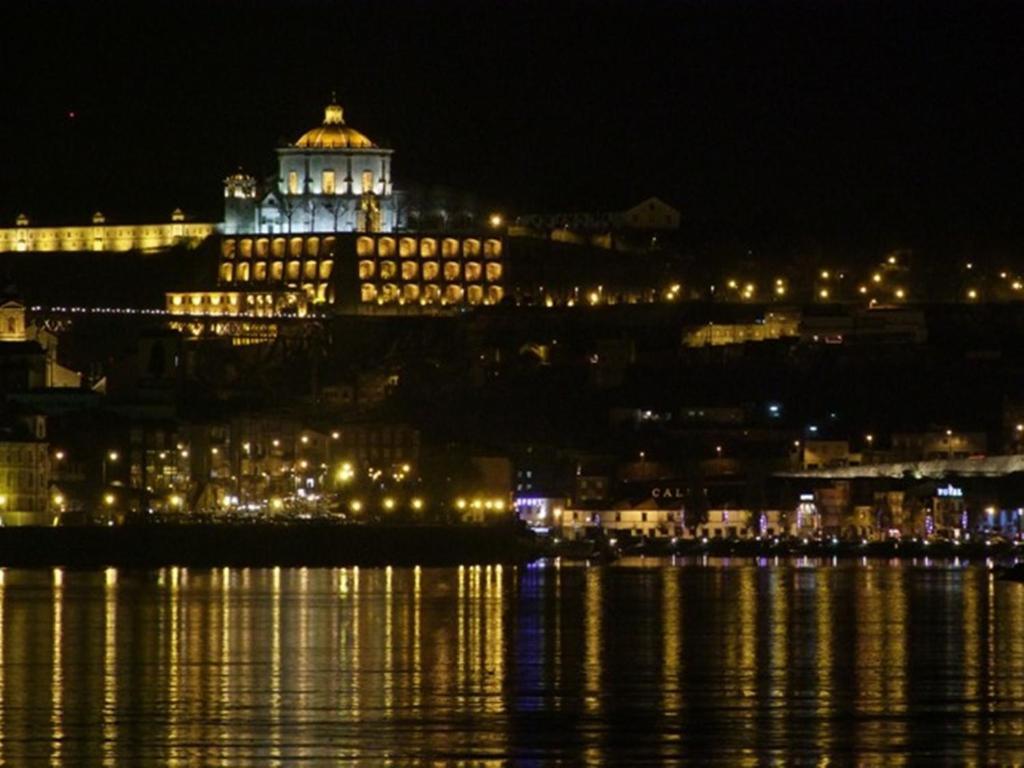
x,y
471,248
406,247
409,270
410,292
428,248
386,246
450,248
259,271
295,247
431,294
262,248
366,269
368,292
245,247
472,270
277,248
327,183
326,267
494,294
430,270
227,248
387,270
364,246
292,275
309,270
493,272
293,183
312,246
225,273
276,271
492,249
451,270
453,294
475,294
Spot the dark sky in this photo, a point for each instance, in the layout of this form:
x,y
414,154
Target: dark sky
x,y
829,118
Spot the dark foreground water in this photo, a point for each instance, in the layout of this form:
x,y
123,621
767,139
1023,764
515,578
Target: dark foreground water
x,y
639,663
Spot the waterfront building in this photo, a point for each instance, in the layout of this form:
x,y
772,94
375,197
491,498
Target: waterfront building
x,y
24,471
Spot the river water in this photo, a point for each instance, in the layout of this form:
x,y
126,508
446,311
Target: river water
x,y
646,662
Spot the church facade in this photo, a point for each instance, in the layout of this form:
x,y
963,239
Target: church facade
x,y
332,179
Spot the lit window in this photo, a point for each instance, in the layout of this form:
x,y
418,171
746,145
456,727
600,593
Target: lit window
x,y
471,248
325,269
327,183
475,294
451,270
493,272
411,292
292,274
387,270
430,270
428,247
293,183
450,248
492,249
367,181
276,271
409,270
386,246
453,294
364,246
366,269
368,292
406,247
473,270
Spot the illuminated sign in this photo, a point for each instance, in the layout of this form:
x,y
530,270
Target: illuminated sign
x,y
806,497
950,492
668,493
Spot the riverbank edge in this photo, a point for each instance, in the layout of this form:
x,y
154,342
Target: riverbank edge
x,y
263,545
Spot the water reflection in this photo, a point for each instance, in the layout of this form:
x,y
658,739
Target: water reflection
x,y
741,663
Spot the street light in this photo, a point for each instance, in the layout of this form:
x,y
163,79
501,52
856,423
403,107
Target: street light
x,y
112,457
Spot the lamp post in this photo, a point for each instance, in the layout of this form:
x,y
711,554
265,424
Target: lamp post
x,y
112,457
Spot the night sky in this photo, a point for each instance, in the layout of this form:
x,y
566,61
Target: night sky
x,y
837,120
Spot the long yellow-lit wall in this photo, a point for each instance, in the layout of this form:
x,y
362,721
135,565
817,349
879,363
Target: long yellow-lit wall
x,y
103,237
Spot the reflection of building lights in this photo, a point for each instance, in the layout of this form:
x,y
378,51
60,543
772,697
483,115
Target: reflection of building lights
x,y
355,505
460,503
389,503
417,503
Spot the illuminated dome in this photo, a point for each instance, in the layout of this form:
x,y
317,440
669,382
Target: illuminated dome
x,y
333,134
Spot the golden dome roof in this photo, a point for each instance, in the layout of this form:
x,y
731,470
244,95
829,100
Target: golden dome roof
x,y
333,134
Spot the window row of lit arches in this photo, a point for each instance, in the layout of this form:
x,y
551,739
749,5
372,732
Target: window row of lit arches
x,y
428,247
412,293
430,270
275,271
311,246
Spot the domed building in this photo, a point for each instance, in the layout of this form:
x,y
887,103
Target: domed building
x,y
332,179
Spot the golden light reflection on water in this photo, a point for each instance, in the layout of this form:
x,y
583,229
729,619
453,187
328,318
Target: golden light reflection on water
x,y
750,664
